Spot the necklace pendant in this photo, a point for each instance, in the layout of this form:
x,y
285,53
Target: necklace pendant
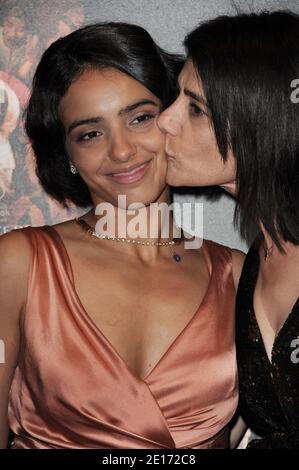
x,y
177,258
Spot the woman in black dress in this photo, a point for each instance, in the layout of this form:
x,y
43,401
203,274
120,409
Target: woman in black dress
x,y
236,124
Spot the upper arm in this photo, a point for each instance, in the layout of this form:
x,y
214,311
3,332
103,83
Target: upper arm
x,y
237,432
14,267
238,258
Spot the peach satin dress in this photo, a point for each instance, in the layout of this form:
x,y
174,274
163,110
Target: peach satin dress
x,y
71,388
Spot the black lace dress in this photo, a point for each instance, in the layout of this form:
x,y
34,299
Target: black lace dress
x,y
269,391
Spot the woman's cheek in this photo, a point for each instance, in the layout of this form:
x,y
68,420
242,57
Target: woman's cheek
x,y
154,141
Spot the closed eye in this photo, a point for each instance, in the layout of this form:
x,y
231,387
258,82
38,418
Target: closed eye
x,y
196,110
89,136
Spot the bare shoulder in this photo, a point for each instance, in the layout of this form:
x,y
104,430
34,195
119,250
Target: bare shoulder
x,y
15,252
238,258
15,255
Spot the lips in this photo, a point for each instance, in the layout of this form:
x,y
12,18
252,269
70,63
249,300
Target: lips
x,y
131,176
169,157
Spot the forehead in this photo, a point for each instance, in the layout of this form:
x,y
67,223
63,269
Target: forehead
x,y
103,89
105,79
189,79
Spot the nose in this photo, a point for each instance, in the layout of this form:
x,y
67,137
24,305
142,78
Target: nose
x,y
122,146
168,121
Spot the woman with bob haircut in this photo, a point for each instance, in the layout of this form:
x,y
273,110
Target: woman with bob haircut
x,y
235,124
108,336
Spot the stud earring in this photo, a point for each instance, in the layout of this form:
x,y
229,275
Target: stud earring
x,y
73,169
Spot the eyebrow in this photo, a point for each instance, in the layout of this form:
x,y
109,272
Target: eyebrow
x,y
124,111
133,106
81,122
196,97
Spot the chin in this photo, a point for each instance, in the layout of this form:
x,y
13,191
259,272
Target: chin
x,y
174,183
143,198
175,179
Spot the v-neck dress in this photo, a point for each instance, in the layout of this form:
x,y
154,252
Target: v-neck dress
x,y
72,389
269,391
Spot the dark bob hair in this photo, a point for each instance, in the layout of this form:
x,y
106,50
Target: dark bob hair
x,y
246,65
126,47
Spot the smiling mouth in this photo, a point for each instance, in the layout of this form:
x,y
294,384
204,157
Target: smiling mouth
x,y
133,175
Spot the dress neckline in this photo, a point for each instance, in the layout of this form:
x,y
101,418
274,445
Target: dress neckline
x,y
256,264
99,332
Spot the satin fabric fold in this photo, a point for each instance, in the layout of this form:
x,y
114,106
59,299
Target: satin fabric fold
x,y
71,389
